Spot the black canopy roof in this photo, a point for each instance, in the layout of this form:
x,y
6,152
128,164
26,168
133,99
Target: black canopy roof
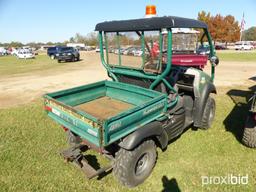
x,y
147,24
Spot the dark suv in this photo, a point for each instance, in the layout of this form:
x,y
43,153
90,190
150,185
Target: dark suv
x,y
52,51
68,54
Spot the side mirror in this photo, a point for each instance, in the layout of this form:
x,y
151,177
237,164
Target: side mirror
x,y
214,60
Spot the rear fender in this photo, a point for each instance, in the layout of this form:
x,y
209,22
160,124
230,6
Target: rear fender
x,y
153,129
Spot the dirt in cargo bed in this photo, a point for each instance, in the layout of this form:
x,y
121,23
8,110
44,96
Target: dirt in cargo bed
x,y
104,107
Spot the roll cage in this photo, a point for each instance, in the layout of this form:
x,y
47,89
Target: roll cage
x,y
140,26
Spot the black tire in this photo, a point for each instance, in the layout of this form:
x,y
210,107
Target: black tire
x,y
209,114
59,61
131,168
78,58
72,138
73,59
249,136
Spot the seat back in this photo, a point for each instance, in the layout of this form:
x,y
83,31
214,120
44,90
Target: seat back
x,y
198,61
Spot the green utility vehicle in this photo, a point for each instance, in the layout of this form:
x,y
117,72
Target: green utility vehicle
x,y
157,90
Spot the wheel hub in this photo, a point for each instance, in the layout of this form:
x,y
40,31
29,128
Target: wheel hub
x,y
141,164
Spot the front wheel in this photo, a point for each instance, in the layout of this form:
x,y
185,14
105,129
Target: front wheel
x,y
209,114
131,168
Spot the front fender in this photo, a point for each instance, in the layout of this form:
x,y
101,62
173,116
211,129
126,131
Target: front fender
x,y
201,102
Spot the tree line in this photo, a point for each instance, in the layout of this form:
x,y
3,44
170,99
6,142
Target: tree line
x,y
226,28
90,39
222,28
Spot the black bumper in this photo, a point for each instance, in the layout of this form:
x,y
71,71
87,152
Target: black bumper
x,y
64,57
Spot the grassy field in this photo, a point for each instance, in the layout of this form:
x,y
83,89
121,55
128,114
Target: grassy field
x,y
238,56
30,143
10,65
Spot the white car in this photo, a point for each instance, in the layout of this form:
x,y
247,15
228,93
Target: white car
x,y
3,51
14,52
243,46
97,49
23,54
139,52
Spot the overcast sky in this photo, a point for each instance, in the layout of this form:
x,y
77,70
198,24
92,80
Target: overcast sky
x,y
58,20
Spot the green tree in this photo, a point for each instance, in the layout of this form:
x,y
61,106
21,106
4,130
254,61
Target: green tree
x,y
250,34
35,45
80,38
205,17
92,39
15,44
72,40
50,43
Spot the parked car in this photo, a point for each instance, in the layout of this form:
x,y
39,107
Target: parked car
x,y
67,54
138,52
52,51
97,49
220,47
132,51
3,51
25,54
243,46
110,49
203,50
129,51
116,51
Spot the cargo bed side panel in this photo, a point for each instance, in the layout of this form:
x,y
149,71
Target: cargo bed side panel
x,y
118,128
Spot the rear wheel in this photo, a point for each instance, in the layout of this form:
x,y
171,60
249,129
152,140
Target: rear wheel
x,y
131,168
59,61
52,57
249,136
209,114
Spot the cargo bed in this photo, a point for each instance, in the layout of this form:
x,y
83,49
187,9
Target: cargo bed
x,y
104,112
104,107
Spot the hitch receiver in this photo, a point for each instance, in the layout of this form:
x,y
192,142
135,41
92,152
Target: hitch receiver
x,y
74,155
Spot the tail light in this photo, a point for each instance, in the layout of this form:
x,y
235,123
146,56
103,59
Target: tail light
x,y
48,108
65,128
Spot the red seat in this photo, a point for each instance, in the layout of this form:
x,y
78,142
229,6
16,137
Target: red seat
x,y
198,61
